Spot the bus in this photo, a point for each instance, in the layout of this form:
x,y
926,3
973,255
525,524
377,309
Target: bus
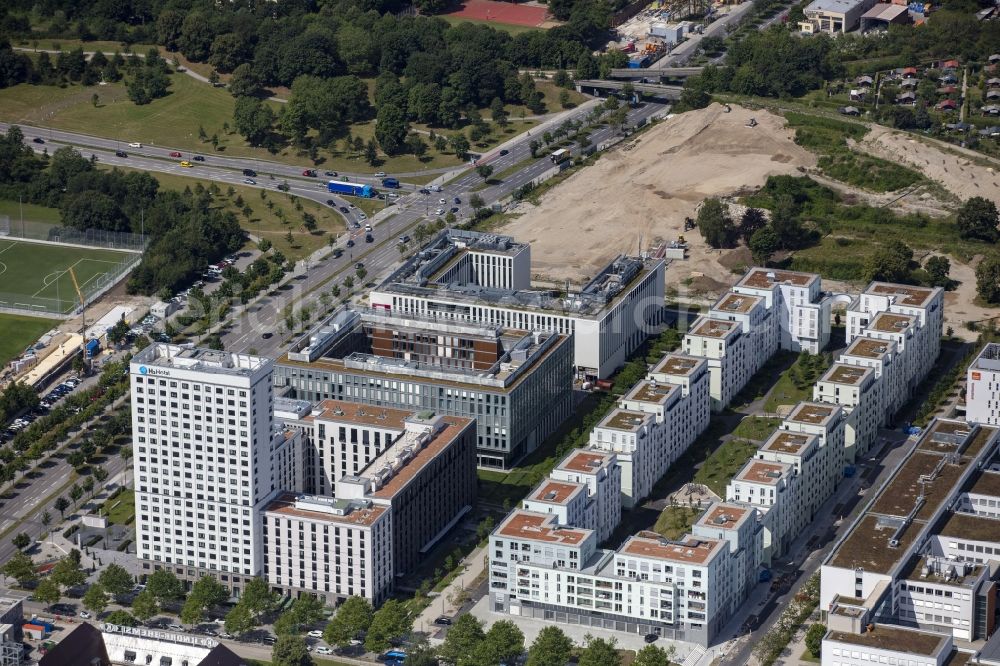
x,y
560,155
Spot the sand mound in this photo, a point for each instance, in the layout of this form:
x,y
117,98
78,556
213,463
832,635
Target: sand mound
x,y
643,189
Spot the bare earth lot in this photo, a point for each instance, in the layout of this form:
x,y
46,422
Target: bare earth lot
x,y
642,190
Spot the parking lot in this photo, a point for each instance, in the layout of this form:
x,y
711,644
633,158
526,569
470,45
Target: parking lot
x,y
46,403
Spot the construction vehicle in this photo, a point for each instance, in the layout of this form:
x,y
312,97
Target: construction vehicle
x,y
752,122
726,109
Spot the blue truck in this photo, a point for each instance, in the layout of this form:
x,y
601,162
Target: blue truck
x,y
392,183
353,189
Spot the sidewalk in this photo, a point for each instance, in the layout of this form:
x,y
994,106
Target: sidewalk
x,y
474,565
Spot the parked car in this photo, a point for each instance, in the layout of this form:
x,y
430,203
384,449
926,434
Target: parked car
x,y
85,615
175,627
443,621
322,649
315,633
651,638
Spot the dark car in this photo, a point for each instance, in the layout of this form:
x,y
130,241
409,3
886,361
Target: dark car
x,y
38,139
267,336
504,152
330,173
329,202
343,209
121,153
249,172
443,621
425,191
651,638
199,158
457,200
283,187
369,238
454,209
350,242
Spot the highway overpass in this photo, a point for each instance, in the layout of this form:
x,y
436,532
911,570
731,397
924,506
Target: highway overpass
x,y
653,74
654,90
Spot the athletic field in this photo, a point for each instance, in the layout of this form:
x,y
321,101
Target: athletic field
x,y
35,276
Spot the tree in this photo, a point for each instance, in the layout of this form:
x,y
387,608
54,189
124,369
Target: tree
x,y
144,605
889,263
121,618
814,639
253,119
21,541
763,244
503,643
290,650
551,648
48,592
61,505
599,652
21,568
240,620
353,617
388,623
937,268
208,591
752,220
164,586
715,224
116,580
988,279
67,573
95,99
978,219
391,129
651,655
244,82
484,171
416,145
257,597
96,599
75,493
498,113
476,202
371,152
462,641
459,145
192,611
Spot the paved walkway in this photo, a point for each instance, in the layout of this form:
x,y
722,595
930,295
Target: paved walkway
x,y
444,604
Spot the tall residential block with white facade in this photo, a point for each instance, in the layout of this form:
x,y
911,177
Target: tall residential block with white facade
x,y
202,428
600,478
800,308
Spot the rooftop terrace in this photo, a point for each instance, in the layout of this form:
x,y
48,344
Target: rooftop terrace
x,y
691,550
650,391
531,526
737,303
677,364
905,295
812,413
555,492
359,413
585,461
622,419
765,278
783,441
890,322
758,471
713,328
841,373
724,516
869,347
327,509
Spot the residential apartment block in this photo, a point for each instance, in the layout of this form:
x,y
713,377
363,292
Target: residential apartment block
x,y
383,517
982,392
801,309
584,490
915,569
486,279
203,472
655,422
495,375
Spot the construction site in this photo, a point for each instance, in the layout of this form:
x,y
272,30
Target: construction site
x,y
652,32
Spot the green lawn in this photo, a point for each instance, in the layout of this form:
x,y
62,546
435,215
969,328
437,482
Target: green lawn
x,y
17,332
121,510
36,275
29,212
756,427
509,28
721,466
785,392
676,521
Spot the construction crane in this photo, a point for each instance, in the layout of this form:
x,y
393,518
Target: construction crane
x,y
83,313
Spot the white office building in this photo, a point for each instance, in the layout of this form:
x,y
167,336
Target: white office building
x,y
486,278
202,425
982,393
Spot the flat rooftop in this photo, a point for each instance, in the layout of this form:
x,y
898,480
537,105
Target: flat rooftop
x,y
973,528
921,568
737,303
195,359
867,545
987,483
891,637
326,509
850,375
724,516
783,441
691,550
759,471
677,364
890,322
812,413
904,294
556,492
924,475
360,414
623,419
529,526
584,461
869,347
652,392
713,328
765,278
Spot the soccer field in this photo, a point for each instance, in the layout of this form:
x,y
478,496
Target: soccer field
x,y
35,276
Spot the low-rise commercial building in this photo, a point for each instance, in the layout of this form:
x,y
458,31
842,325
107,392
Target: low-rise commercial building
x,y
834,16
486,279
497,376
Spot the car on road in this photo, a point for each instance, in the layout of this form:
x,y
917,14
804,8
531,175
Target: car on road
x,y
350,242
186,164
249,181
249,172
121,153
135,144
38,139
343,209
651,638
368,227
443,621
283,187
359,265
199,158
175,154
442,201
405,238
85,615
504,152
175,627
267,335
458,200
331,203
309,172
454,209
424,190
315,633
330,173
439,211
322,649
380,174
369,238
